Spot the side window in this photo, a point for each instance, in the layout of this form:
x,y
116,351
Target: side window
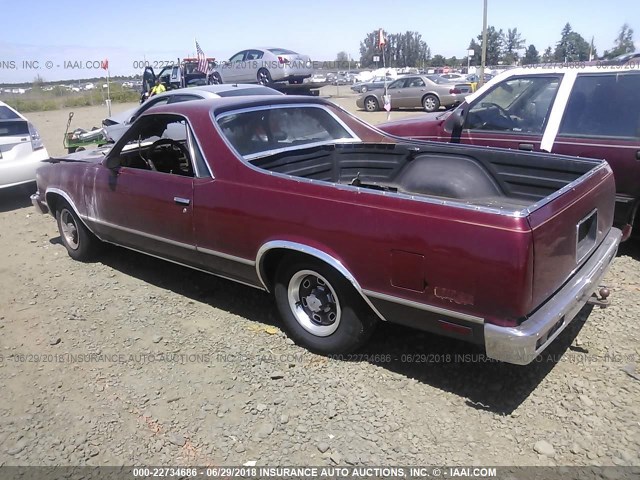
x,y
149,104
258,132
603,105
416,82
397,84
515,105
158,143
254,55
238,57
183,98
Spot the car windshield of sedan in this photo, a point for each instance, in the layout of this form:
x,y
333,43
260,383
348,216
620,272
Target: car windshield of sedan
x,y
261,132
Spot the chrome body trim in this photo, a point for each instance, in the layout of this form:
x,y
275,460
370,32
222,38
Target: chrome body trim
x,y
518,345
423,306
226,256
314,252
39,204
142,234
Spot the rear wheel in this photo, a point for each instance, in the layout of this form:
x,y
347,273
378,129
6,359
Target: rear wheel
x,y
431,103
216,79
320,309
371,104
80,243
264,77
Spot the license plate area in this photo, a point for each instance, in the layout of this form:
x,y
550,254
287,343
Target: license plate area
x,y
586,235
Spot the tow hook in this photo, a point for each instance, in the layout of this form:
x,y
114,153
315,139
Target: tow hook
x,y
600,298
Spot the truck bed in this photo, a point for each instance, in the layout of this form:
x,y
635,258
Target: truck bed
x,y
479,177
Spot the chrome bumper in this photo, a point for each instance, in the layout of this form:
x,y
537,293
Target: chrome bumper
x,y
520,345
39,204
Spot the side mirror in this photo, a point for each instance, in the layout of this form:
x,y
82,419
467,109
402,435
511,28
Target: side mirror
x,y
131,119
458,117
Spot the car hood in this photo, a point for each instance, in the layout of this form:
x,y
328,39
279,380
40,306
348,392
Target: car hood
x,y
122,117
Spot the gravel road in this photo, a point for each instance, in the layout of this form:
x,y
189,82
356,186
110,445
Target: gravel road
x,y
131,360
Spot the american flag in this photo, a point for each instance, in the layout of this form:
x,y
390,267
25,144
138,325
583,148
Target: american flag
x,y
203,66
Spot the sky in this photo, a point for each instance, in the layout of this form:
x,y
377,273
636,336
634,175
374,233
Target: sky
x,y
55,39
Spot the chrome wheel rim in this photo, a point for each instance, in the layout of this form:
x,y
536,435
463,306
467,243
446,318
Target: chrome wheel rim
x,y
314,303
430,103
69,229
263,77
363,89
371,105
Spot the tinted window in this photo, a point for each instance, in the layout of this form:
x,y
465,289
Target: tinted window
x,y
239,92
8,114
515,105
258,132
603,106
10,128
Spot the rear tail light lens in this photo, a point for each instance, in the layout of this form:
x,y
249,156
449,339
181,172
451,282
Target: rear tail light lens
x,y
283,60
455,91
36,141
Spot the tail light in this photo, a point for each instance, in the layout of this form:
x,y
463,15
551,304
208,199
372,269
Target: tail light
x,y
283,60
36,141
455,91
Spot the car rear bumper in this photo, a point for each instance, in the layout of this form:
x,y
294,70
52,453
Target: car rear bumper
x,y
39,204
521,344
21,170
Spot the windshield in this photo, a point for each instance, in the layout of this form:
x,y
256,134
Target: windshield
x,y
282,51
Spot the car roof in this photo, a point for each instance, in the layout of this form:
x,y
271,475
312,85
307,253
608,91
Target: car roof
x,y
212,91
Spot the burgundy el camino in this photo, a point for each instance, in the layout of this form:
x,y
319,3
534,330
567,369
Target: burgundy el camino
x,y
346,225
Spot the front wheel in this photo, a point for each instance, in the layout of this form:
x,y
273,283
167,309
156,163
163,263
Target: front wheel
x,y
431,103
364,89
216,79
80,243
371,104
320,309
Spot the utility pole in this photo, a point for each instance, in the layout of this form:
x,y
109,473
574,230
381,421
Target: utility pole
x,y
484,44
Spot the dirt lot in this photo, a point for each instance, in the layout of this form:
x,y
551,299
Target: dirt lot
x,y
131,360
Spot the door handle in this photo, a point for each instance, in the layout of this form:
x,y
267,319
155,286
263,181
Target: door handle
x,y
528,147
638,155
181,201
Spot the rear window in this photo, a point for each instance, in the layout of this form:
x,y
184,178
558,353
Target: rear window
x,y
13,128
282,51
7,114
603,105
239,92
261,132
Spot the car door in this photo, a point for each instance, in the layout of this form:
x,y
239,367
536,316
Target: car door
x,y
235,70
513,114
396,92
144,209
412,92
602,120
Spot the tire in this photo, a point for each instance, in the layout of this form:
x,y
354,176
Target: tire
x,y
430,103
80,243
364,89
295,81
264,77
216,79
371,104
320,309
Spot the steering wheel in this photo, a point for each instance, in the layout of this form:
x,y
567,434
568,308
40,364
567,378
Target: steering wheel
x,y
162,142
502,111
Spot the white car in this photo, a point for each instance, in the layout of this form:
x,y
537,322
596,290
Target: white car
x,y
21,148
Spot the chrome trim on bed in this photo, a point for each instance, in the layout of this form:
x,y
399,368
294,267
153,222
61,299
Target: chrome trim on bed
x,y
423,306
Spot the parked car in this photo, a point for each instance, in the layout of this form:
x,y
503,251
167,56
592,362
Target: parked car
x,y
500,248
415,91
373,84
21,148
452,77
264,66
588,112
116,125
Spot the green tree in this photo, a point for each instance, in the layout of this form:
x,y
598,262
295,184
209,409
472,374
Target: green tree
x,y
513,42
400,50
495,45
572,46
531,56
369,48
438,61
476,58
623,43
547,56
342,57
38,81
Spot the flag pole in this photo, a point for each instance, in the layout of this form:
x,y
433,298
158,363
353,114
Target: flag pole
x,y
108,93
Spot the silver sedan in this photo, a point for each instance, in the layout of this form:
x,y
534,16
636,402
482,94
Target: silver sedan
x,y
265,65
415,91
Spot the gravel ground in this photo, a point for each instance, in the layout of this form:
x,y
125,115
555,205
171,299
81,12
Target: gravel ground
x,y
131,360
